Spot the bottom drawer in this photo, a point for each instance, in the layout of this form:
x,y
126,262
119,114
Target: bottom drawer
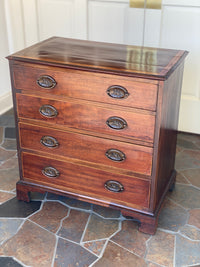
x,y
70,177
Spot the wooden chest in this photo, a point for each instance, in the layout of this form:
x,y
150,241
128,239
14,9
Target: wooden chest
x,y
98,122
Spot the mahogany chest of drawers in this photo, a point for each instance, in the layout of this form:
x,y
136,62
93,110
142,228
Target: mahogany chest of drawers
x,y
97,122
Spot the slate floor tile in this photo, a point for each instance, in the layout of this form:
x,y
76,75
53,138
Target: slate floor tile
x,y
9,262
74,203
180,179
72,255
10,132
37,196
7,120
189,137
106,212
10,163
187,196
74,225
99,228
198,144
191,232
187,159
115,256
172,216
194,218
4,196
186,144
32,245
9,227
18,209
4,155
187,252
95,246
193,175
8,179
10,112
161,249
9,144
137,242
50,215
178,149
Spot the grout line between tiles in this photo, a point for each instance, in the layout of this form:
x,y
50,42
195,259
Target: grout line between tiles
x,y
94,240
4,241
97,214
20,262
3,136
71,241
126,249
147,246
186,209
84,231
40,226
61,221
196,264
185,169
41,207
90,251
186,237
55,249
167,231
101,254
156,263
174,258
68,206
185,177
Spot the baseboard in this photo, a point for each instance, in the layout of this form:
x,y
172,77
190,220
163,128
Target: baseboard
x,y
6,102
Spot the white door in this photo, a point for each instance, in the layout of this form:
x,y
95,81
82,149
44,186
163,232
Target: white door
x,y
177,26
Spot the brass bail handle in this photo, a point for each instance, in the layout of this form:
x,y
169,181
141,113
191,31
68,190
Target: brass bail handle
x,y
150,4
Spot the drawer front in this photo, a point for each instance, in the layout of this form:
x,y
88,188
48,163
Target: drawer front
x,y
78,179
85,85
87,148
87,117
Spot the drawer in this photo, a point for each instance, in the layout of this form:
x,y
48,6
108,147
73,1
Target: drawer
x,y
87,148
118,189
79,115
86,85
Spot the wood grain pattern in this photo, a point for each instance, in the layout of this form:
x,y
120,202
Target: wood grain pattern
x,y
103,57
88,117
86,181
171,91
87,148
83,85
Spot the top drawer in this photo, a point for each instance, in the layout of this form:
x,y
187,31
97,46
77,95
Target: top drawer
x,y
112,89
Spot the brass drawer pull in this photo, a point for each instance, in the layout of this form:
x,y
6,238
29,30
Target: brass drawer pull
x,y
46,82
48,111
117,91
115,155
49,141
114,186
116,123
50,172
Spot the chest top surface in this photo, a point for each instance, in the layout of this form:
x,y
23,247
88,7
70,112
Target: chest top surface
x,y
127,60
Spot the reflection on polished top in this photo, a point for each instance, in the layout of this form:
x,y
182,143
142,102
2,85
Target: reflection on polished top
x,y
114,58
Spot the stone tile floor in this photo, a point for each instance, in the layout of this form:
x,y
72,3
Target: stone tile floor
x,y
59,231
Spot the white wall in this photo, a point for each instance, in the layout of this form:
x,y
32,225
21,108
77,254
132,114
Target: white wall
x,y
5,88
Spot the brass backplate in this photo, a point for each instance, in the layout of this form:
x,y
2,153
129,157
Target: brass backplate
x,y
137,3
150,4
154,4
